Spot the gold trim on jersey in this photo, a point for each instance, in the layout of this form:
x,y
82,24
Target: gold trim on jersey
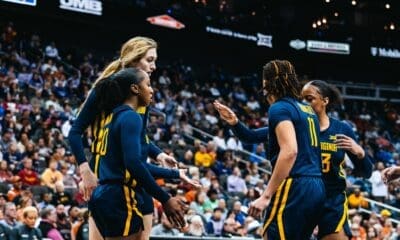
x,y
274,208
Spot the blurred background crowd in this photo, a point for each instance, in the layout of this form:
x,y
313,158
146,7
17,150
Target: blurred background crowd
x,y
42,87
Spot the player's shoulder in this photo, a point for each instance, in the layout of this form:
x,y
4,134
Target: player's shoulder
x,y
126,113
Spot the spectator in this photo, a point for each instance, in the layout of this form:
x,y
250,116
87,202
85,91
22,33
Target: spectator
x,y
215,224
47,199
198,203
28,176
236,183
165,228
379,188
51,51
356,199
51,175
212,202
219,139
196,226
202,158
63,225
48,225
10,216
61,196
5,174
27,230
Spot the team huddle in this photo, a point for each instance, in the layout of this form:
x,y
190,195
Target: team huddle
x,y
306,148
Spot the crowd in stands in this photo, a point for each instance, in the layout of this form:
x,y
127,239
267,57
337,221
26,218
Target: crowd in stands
x,y
42,87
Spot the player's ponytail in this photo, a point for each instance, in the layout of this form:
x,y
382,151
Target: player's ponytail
x,y
108,94
115,89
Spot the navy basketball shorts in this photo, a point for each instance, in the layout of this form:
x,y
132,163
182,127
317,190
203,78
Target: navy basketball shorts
x,y
295,209
115,211
335,215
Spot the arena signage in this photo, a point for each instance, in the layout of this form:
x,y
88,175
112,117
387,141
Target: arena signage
x,y
328,47
385,52
85,6
166,21
24,2
259,38
297,44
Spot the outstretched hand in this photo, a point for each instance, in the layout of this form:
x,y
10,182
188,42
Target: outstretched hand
x,y
390,174
226,113
186,179
167,161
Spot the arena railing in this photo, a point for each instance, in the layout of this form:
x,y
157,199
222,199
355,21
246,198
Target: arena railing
x,y
369,92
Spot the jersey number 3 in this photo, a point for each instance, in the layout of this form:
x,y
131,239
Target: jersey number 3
x,y
326,162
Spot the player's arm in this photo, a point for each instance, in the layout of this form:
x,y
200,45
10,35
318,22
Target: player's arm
x,y
130,130
85,117
241,131
160,172
286,136
362,161
154,150
251,136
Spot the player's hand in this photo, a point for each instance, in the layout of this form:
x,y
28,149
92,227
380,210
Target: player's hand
x,y
257,207
186,179
348,144
174,209
89,181
166,160
390,174
226,113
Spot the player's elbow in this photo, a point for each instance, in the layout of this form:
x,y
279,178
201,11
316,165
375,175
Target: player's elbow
x,y
290,153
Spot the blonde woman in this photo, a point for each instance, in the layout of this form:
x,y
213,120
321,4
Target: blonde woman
x,y
139,52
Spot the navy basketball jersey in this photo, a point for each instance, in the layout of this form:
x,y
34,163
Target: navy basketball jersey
x,y
306,125
109,164
333,157
98,146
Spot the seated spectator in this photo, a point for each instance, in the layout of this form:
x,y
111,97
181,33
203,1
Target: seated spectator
x,y
198,203
230,228
47,199
10,216
5,173
258,150
215,224
236,183
356,199
51,175
202,158
28,176
196,227
48,225
61,196
219,139
27,230
212,202
13,156
15,190
239,215
63,225
165,228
